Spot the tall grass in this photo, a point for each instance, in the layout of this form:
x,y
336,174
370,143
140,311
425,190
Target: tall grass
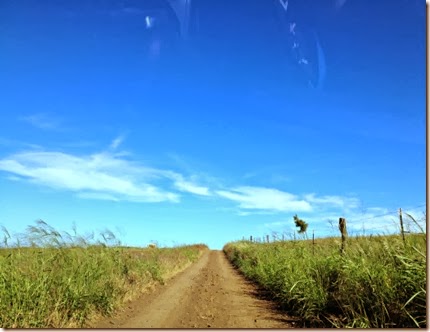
x,y
54,280
378,282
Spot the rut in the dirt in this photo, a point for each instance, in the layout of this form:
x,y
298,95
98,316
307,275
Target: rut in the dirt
x,y
210,293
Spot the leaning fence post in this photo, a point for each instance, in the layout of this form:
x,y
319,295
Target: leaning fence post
x,y
342,228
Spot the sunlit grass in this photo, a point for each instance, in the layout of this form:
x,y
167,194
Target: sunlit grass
x,y
379,281
50,279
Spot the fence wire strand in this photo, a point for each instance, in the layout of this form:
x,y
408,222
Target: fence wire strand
x,y
356,231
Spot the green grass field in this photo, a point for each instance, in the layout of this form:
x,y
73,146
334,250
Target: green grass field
x,y
67,281
378,282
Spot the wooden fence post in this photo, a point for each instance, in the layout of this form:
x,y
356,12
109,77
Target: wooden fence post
x,y
313,242
250,238
267,237
401,226
342,228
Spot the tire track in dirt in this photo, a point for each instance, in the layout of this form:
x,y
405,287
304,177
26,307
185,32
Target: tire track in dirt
x,y
209,293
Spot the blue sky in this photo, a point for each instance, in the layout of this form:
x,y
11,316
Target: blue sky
x,y
216,138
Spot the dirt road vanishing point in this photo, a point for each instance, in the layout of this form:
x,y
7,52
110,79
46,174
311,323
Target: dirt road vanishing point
x,y
208,294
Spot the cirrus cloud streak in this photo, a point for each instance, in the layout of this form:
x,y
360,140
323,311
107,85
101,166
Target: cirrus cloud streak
x,y
260,198
97,176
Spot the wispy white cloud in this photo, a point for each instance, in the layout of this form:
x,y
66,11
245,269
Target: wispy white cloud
x,y
111,175
98,196
187,186
333,201
260,198
42,121
99,175
254,200
107,175
116,142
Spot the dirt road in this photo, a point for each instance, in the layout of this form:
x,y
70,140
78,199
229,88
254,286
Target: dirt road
x,y
208,294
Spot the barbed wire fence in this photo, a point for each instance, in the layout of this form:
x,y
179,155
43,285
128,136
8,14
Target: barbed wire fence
x,y
357,227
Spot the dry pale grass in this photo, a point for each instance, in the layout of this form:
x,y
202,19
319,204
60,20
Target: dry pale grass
x,y
61,282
